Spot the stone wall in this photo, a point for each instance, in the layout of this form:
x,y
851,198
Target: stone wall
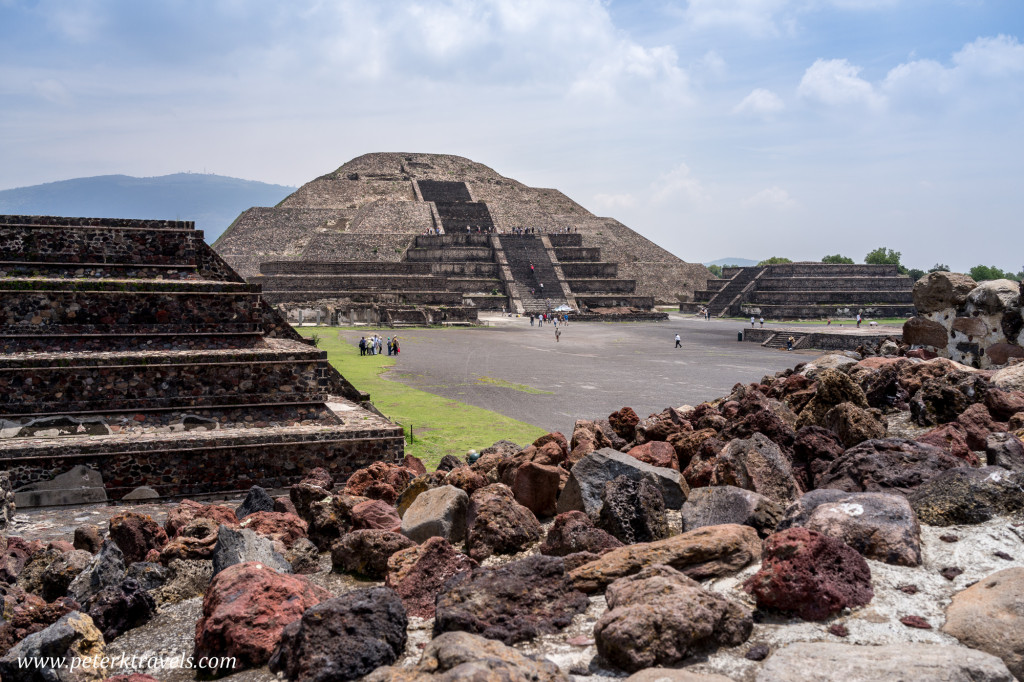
x,y
109,244
334,246
344,268
980,325
384,216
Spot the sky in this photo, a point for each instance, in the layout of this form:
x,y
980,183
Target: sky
x,y
716,128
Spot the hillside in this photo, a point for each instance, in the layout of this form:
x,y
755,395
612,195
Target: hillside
x,y
212,201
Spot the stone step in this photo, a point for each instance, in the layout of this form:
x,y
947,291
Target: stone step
x,y
437,297
614,301
59,383
601,285
200,461
22,269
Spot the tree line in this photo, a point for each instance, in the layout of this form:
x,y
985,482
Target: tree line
x,y
886,256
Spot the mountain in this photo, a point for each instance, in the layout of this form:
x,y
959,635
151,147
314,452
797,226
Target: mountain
x,y
742,262
212,201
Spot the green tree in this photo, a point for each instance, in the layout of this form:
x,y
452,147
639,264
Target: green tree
x,y
716,270
939,267
775,260
981,273
883,256
916,274
837,259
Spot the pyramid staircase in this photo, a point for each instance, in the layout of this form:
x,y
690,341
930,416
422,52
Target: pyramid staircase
x,y
779,339
132,349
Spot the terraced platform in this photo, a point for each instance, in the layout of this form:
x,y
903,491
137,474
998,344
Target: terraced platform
x,y
188,383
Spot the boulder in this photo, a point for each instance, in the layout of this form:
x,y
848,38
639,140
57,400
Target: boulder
x,y
417,574
380,481
582,492
186,579
30,578
450,463
329,518
810,574
978,424
303,557
1002,405
623,423
73,636
834,387
319,477
376,515
466,479
59,575
878,525
465,656
657,453
660,617
438,512
1005,450
242,545
943,399
920,331
116,610
536,487
366,552
966,495
25,613
487,464
1010,378
343,638
150,576
88,537
714,506
989,616
512,603
136,534
418,485
825,661
757,464
994,297
951,438
106,570
196,541
708,552
633,511
188,510
854,424
688,444
885,465
246,608
938,291
497,524
284,528
256,500
414,464
303,496
574,532
814,449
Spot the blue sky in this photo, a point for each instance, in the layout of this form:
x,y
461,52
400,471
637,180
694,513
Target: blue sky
x,y
745,128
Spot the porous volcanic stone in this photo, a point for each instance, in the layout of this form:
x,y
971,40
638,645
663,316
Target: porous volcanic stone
x,y
343,638
418,574
115,610
303,557
938,291
136,534
757,464
438,512
826,662
583,490
880,526
59,575
885,465
967,495
633,511
713,506
660,617
497,524
513,603
810,574
188,510
466,479
1010,378
707,552
920,331
1005,450
854,424
73,636
256,500
536,487
376,515
283,527
989,616
88,538
834,387
952,438
574,532
624,422
246,608
241,545
106,570
196,541
366,552
657,453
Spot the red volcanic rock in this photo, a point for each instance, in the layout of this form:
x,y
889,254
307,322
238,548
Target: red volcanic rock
x,y
624,423
656,453
574,532
978,424
187,510
466,479
414,465
916,622
810,574
246,608
376,515
137,534
419,573
286,528
380,481
952,438
497,524
536,487
366,552
319,477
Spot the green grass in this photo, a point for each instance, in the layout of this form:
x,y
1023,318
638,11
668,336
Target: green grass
x,y
522,388
439,426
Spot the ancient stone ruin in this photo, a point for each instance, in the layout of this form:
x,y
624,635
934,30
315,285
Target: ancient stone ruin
x,y
980,325
430,236
808,291
134,357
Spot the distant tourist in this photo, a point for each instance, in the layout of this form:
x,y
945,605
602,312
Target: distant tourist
x,y
679,342
394,343
558,334
362,346
789,343
829,322
762,320
858,319
751,321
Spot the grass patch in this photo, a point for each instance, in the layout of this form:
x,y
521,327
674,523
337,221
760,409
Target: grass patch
x,y
440,426
522,388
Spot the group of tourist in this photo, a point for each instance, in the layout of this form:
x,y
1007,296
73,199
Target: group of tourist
x,y
705,313
376,345
550,318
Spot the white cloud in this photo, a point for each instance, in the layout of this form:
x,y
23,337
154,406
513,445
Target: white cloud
x,y
772,197
837,83
679,183
757,17
993,57
52,90
760,101
611,202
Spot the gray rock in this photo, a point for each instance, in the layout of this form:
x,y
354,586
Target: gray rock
x,y
149,575
1010,378
757,464
966,495
583,490
59,575
438,512
303,556
79,485
74,635
878,525
633,511
143,492
239,545
7,504
106,570
994,296
257,500
801,510
826,662
989,616
188,578
715,505
1004,450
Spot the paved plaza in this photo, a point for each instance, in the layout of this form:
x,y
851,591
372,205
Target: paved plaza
x,y
596,367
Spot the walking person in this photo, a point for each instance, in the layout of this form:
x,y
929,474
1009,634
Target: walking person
x,y
362,346
558,334
679,343
789,343
858,320
751,321
762,321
